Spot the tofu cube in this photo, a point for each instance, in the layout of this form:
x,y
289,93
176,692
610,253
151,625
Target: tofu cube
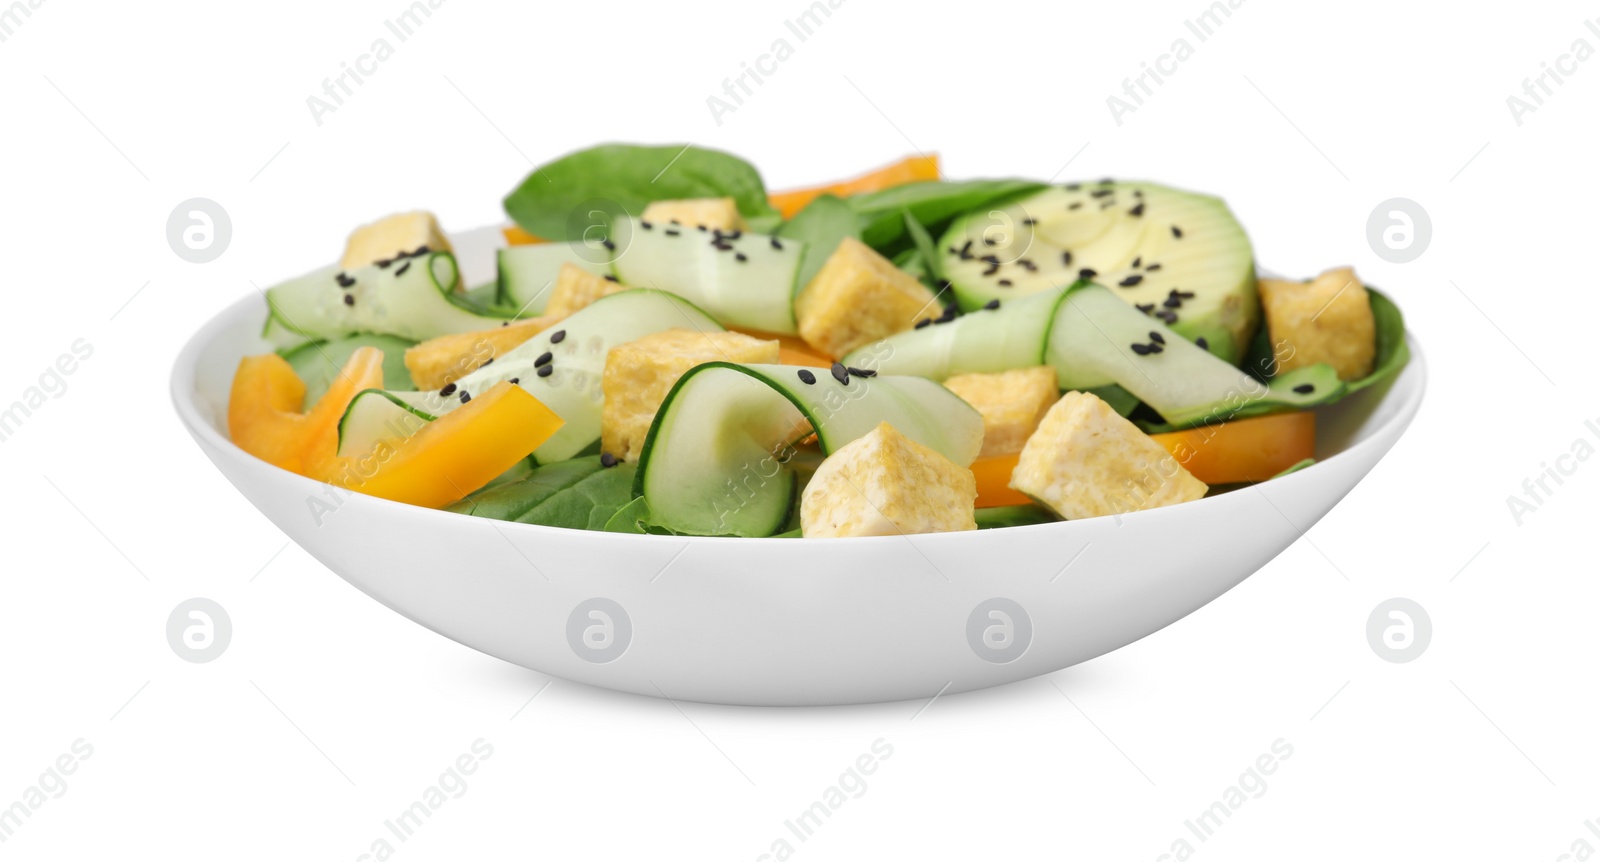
x,y
886,484
712,213
1085,461
1012,404
857,298
1328,319
639,374
448,358
388,237
575,289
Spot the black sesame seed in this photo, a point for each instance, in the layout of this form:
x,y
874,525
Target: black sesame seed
x,y
349,299
1146,307
988,240
1004,282
421,250
448,390
776,244
1066,258
1137,210
344,280
383,264
860,372
543,360
1131,280
1156,337
1154,267
1101,193
671,232
558,336
610,278
734,234
1305,389
1141,349
676,222
545,370
610,246
806,377
646,225
702,228
840,374
403,268
993,268
1075,205
487,361
1176,232
923,322
739,256
990,259
505,323
1137,261
1202,343
515,380
1156,348
1030,222
1183,294
966,250
1172,302
608,460
1087,273
465,396
948,315
993,304
1170,317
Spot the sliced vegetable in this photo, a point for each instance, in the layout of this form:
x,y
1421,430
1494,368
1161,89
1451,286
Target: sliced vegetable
x,y
994,482
455,454
821,226
581,494
528,272
375,416
741,279
264,416
517,236
716,461
933,203
440,361
411,298
907,170
792,349
1244,450
318,362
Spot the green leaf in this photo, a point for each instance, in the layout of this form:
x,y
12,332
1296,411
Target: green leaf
x,y
822,225
933,203
932,266
1119,399
318,363
635,518
1392,354
579,494
556,200
1014,516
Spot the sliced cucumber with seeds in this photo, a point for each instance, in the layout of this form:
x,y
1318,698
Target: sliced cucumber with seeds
x,y
576,349
1010,336
743,279
528,272
411,298
375,416
1096,339
716,461
318,362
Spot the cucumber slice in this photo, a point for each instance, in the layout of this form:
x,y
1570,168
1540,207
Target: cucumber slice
x,y
578,347
985,341
716,461
528,272
1092,343
410,298
744,280
318,362
374,416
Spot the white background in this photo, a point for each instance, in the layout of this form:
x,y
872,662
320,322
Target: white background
x,y
329,713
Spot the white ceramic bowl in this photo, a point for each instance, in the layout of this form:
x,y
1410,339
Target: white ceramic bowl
x,y
788,621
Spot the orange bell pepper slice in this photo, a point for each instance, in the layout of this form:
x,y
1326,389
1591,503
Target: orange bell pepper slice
x,y
907,170
517,236
456,454
792,349
1244,450
993,473
264,415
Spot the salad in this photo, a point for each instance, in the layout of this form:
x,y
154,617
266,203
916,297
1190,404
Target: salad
x,y
669,349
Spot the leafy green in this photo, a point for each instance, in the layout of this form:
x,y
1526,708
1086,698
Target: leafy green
x,y
558,199
1393,354
931,264
635,518
1119,399
1296,467
933,203
1014,516
318,362
579,494
822,225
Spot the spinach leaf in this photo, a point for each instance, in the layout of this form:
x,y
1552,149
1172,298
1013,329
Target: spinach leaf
x,y
931,202
1119,399
580,494
932,266
1014,516
822,225
555,200
1393,354
635,518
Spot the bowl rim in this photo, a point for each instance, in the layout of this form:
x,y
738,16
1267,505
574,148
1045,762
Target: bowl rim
x,y
183,393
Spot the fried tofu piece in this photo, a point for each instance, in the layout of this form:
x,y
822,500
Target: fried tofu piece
x,y
448,358
857,298
1328,319
712,213
1085,461
576,289
391,236
1012,404
886,484
639,374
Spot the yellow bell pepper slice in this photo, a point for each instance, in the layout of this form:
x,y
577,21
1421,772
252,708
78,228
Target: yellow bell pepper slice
x,y
264,415
1244,450
456,454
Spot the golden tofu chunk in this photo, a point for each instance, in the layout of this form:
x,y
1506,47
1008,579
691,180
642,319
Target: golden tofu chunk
x,y
640,373
448,358
576,288
1012,404
1328,319
886,484
387,238
857,298
1085,461
713,213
